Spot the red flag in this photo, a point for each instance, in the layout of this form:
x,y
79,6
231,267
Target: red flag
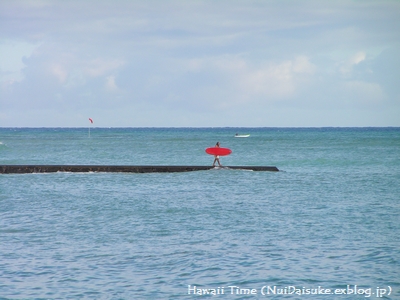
x,y
91,121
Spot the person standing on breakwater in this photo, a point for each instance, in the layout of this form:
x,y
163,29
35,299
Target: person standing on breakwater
x,y
216,157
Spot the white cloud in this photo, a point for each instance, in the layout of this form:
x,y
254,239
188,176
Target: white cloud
x,y
11,60
271,81
196,57
357,58
59,72
348,65
302,65
72,72
99,67
226,83
110,84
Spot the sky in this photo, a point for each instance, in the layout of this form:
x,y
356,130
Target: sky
x,y
199,63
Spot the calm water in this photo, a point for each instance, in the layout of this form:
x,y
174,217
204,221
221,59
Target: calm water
x,y
329,220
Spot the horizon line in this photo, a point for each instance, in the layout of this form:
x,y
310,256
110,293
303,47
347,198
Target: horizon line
x,y
183,127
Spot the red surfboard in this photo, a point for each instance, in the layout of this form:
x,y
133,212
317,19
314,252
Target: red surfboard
x,y
218,151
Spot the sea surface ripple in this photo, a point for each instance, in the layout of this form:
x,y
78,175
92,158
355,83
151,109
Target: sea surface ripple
x,y
329,219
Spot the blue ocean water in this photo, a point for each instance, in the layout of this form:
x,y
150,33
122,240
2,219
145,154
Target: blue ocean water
x,y
329,222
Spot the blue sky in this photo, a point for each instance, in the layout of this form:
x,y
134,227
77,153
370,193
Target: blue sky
x,y
198,63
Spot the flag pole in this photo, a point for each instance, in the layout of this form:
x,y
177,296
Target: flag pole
x,y
91,122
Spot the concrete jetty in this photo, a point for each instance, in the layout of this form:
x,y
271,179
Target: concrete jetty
x,y
20,169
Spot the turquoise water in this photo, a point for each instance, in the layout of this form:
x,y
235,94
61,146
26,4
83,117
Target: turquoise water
x,y
329,220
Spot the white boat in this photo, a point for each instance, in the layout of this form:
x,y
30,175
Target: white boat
x,y
242,135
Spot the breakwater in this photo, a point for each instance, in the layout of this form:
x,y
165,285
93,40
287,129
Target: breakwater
x,y
20,169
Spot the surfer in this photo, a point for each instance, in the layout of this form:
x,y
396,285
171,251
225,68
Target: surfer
x,y
216,157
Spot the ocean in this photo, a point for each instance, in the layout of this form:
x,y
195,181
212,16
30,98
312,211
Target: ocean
x,y
326,226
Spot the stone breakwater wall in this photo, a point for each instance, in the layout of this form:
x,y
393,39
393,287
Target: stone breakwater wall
x,y
21,169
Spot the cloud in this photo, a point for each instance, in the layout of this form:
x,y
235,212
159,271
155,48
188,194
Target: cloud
x,y
356,59
192,61
110,84
247,82
11,61
347,66
277,80
59,72
218,84
99,67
